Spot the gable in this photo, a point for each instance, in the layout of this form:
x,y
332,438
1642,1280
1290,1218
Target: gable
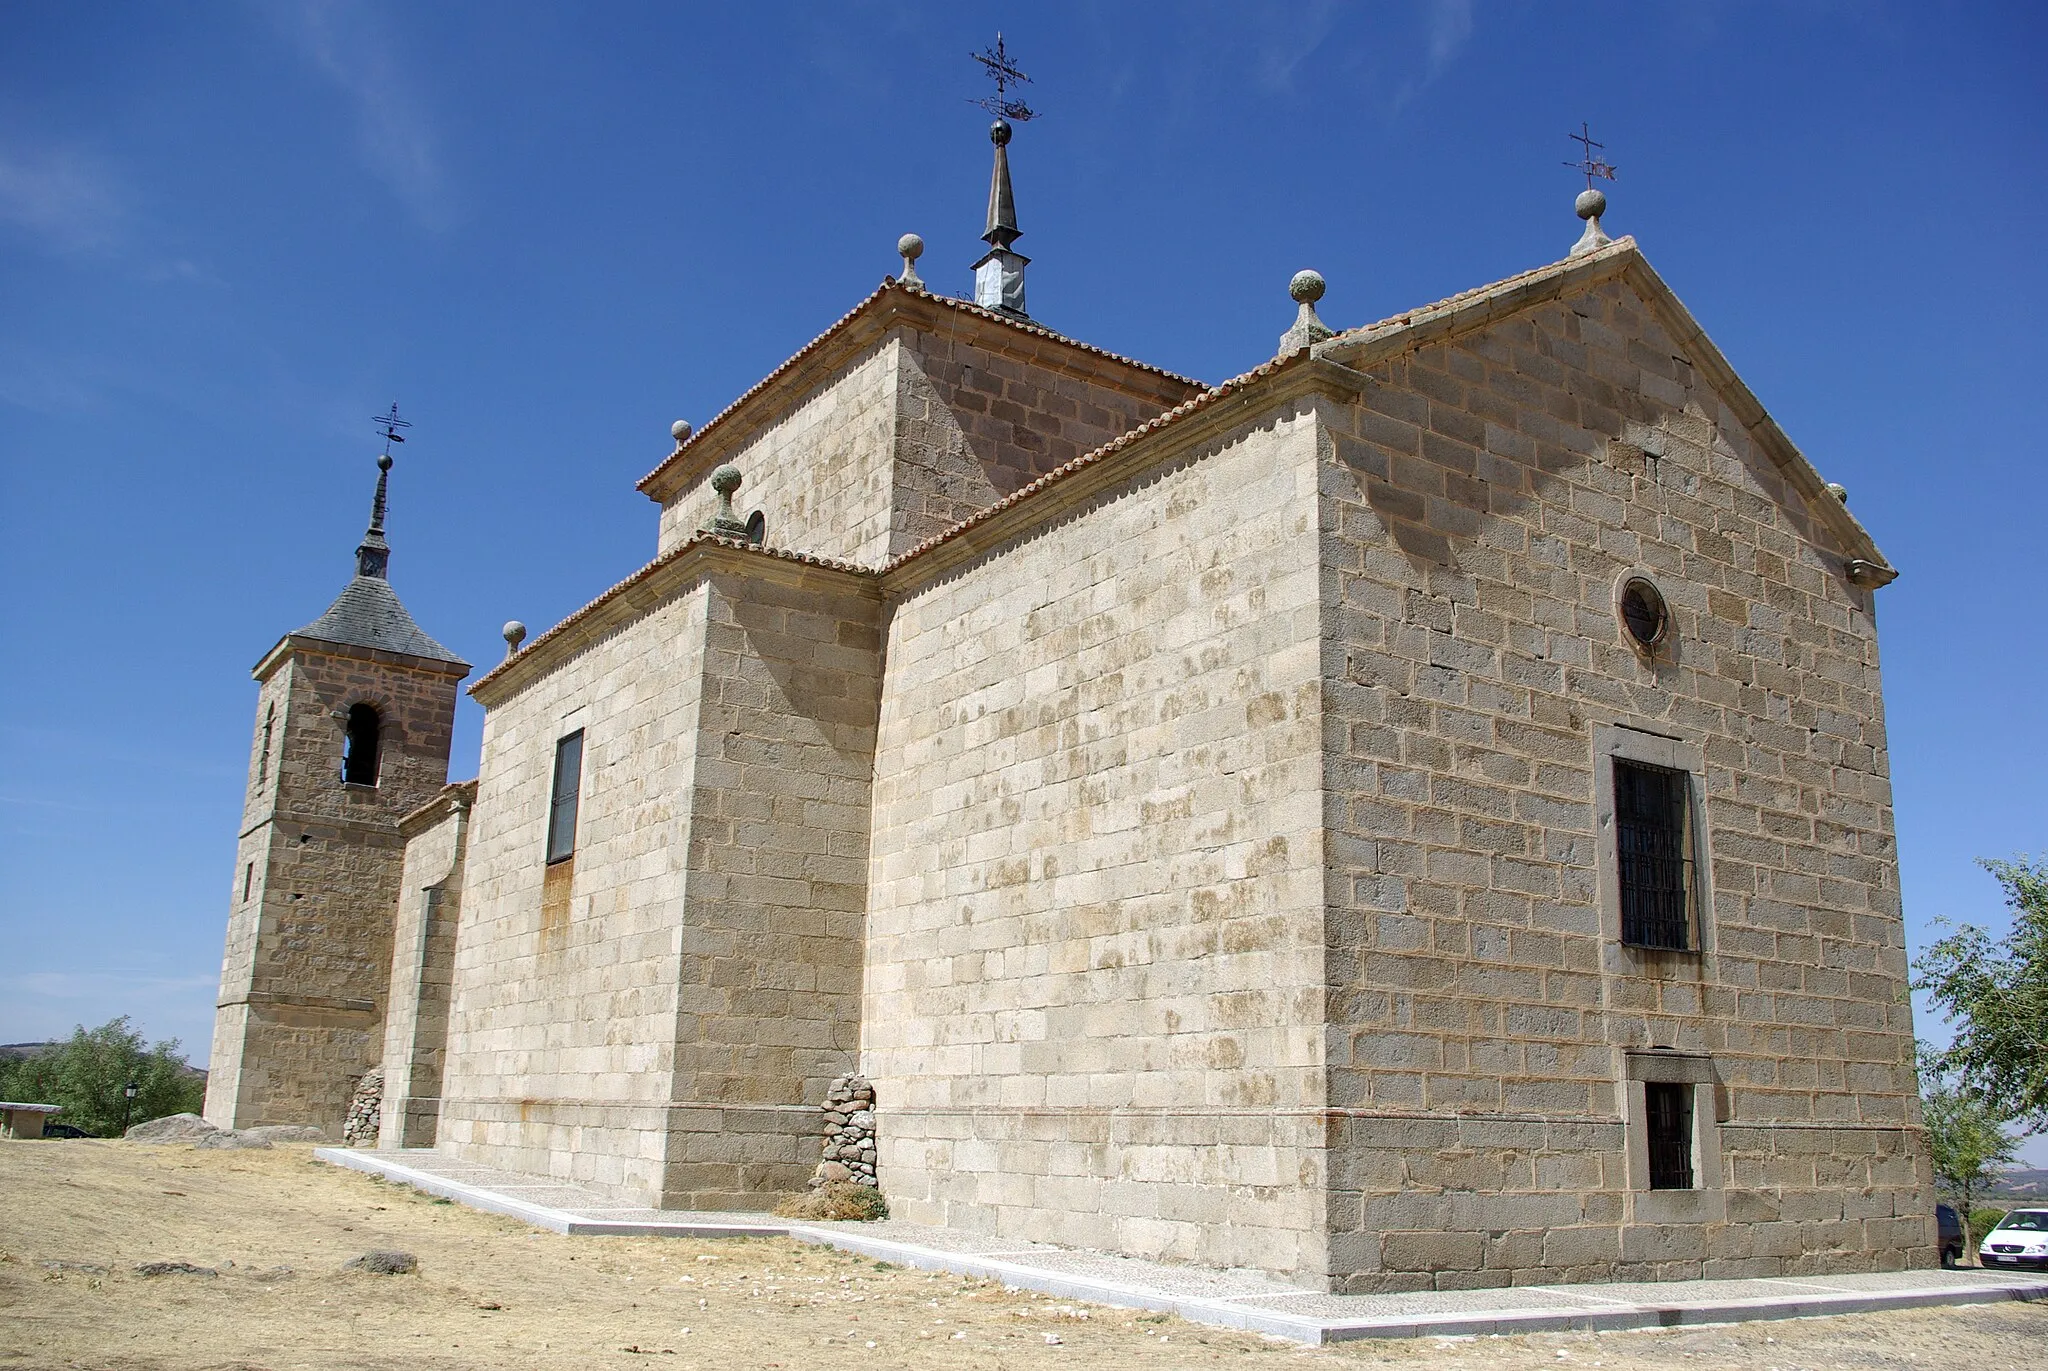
x,y
1619,386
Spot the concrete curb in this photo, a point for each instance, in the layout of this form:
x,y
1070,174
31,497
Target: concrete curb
x,y
1578,1308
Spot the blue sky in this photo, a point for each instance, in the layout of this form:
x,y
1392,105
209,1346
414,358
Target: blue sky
x,y
228,234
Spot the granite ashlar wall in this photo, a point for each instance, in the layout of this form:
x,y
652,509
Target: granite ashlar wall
x,y
1488,1031
308,952
820,474
660,1016
1093,1011
423,967
935,419
770,971
561,1027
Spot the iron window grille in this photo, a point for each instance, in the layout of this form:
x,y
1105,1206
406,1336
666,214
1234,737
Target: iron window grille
x,y
1669,1110
1654,851
562,798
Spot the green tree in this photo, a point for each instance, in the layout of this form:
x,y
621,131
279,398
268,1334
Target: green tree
x,y
1966,1140
87,1074
1996,992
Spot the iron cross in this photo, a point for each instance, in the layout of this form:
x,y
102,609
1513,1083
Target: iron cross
x,y
1589,164
996,61
390,424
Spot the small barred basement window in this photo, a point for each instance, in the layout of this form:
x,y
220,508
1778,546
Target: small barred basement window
x,y
1654,855
562,798
1668,1109
359,750
1644,613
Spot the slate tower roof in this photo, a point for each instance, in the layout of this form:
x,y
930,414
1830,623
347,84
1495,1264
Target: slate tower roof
x,y
367,613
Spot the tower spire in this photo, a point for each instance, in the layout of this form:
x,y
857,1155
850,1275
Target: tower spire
x,y
373,554
999,275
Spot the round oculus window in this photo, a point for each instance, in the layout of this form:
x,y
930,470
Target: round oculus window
x,y
1643,612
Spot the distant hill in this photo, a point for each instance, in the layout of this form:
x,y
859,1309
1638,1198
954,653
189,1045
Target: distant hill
x,y
19,1051
2020,1183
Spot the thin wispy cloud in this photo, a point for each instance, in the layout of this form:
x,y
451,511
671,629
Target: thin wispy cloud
x,y
1447,28
394,136
63,194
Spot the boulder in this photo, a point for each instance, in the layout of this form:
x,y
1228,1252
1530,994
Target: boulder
x,y
228,1137
171,1128
286,1132
384,1263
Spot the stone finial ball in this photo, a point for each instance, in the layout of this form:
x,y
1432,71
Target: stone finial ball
x,y
1306,288
384,462
1839,491
1591,204
515,632
726,479
680,430
999,132
910,247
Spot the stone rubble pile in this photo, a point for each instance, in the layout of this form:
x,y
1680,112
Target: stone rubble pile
x,y
359,1129
849,1133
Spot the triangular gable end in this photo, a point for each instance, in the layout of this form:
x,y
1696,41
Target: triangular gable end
x,y
1486,307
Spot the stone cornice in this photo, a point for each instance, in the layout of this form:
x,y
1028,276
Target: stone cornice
x,y
667,576
456,795
293,643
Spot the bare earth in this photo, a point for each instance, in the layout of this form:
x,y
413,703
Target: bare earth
x,y
77,1217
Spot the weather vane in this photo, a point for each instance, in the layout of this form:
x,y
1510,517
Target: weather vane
x,y
1004,73
390,424
1589,164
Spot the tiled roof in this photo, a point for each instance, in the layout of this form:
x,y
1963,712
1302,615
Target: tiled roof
x,y
889,284
367,614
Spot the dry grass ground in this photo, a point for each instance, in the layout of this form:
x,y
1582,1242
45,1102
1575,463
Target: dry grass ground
x,y
77,1217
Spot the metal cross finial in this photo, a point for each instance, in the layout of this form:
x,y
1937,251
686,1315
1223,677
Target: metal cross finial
x,y
391,423
1005,74
1589,164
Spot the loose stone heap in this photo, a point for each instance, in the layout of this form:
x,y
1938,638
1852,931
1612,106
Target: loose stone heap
x,y
849,1133
359,1129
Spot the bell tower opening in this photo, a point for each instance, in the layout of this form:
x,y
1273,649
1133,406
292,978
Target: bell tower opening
x,y
359,748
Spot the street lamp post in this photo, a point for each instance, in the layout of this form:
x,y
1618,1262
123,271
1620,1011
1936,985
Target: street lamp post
x,y
128,1094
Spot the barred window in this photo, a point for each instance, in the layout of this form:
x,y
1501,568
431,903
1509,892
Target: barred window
x,y
562,798
1668,1106
1654,855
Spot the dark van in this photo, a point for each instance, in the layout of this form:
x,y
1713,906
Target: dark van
x,y
1950,1240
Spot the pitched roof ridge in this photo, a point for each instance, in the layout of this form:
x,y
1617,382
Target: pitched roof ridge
x,y
649,569
1619,247
891,283
1183,410
1032,326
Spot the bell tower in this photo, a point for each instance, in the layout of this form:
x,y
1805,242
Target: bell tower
x,y
354,716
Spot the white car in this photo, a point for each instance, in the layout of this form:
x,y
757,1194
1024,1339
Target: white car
x,y
2018,1239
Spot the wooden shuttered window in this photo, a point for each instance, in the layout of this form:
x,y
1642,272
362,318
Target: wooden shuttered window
x,y
562,797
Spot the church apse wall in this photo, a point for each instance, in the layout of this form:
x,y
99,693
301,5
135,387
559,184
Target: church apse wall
x,y
1499,1034
1094,940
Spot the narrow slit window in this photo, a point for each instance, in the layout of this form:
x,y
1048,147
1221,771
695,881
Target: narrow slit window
x,y
562,798
359,751
263,757
248,880
1668,1107
1654,855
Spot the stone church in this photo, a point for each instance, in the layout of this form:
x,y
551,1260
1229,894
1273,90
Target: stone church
x,y
1414,815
